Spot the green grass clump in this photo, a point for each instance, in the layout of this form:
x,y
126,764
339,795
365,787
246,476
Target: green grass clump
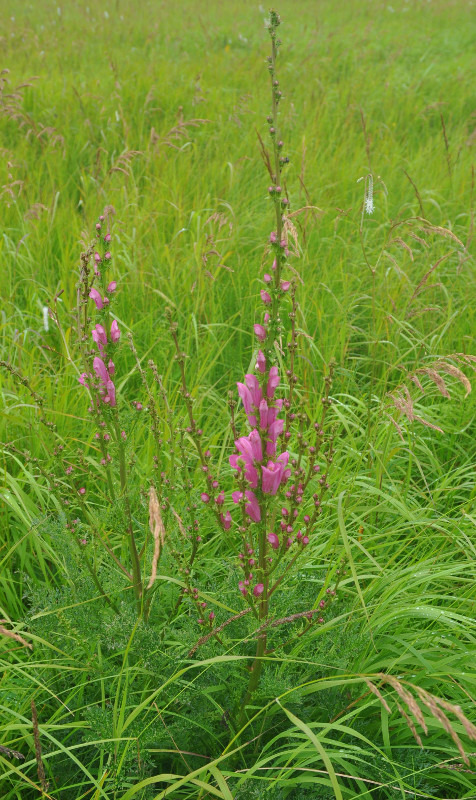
x,y
154,109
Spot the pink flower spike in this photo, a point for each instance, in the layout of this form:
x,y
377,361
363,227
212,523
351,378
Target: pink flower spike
x,y
266,297
112,287
267,278
260,332
273,540
273,382
261,362
94,295
115,332
258,589
285,286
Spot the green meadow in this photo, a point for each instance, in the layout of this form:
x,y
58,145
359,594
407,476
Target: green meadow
x,y
158,109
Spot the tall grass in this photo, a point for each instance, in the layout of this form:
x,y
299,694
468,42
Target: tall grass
x,y
155,110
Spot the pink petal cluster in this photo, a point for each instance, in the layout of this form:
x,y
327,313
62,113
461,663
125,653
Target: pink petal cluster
x,y
253,451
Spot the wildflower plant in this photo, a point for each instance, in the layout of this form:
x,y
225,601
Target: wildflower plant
x,y
282,458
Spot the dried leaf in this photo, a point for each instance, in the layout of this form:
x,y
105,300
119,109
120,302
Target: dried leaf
x,y
158,532
16,636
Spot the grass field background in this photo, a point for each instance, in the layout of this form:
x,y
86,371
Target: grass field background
x,y
154,108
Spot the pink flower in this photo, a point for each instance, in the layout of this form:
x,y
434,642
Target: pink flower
x,y
260,332
273,382
263,415
100,370
111,287
251,473
272,237
285,286
247,399
261,362
94,295
226,520
258,589
275,473
115,332
204,497
99,336
273,540
252,509
111,394
275,430
252,383
107,237
82,490
267,278
107,256
265,296
111,368
251,446
82,379
97,258
251,394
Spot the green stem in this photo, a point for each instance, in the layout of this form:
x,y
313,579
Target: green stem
x,y
136,570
